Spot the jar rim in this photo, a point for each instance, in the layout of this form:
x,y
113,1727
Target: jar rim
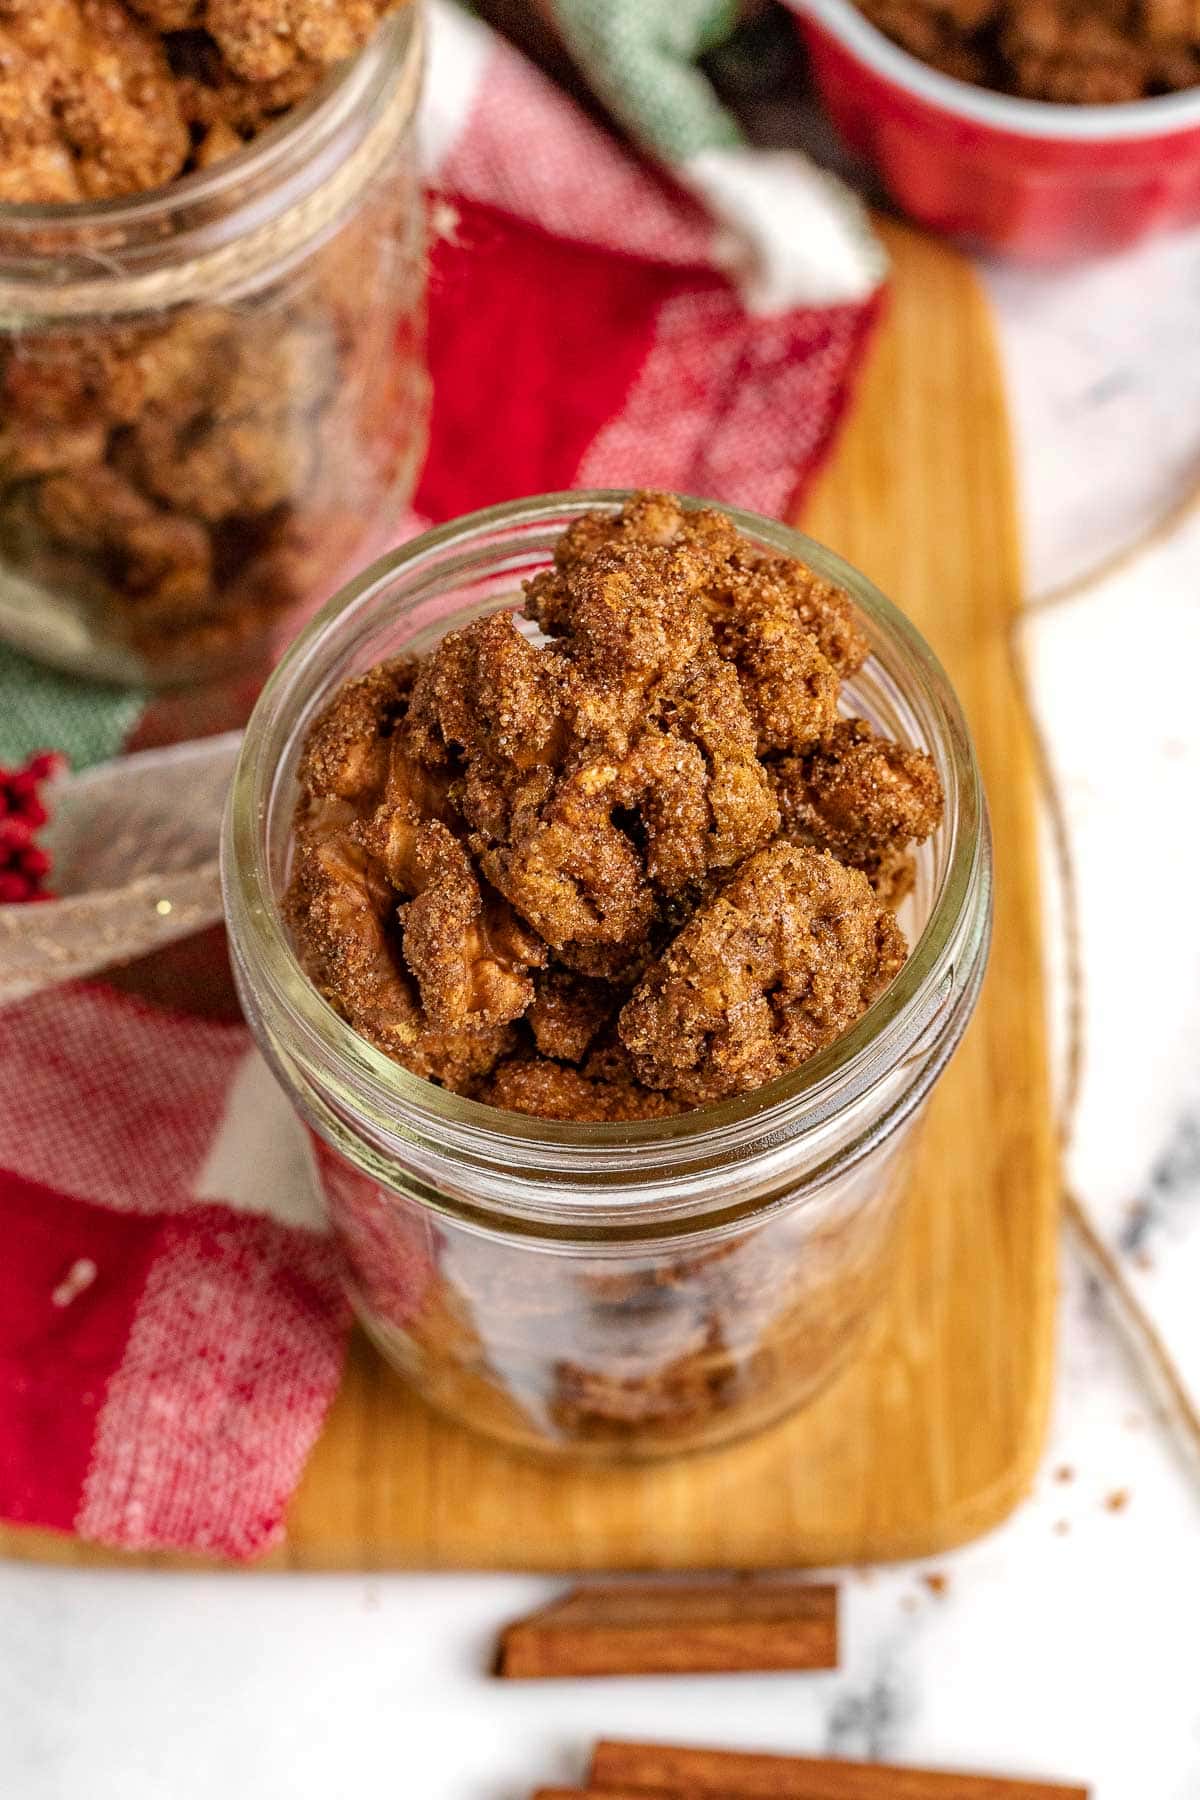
x,y
602,1153
106,242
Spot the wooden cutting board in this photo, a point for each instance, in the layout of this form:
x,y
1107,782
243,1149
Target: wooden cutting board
x,y
933,1434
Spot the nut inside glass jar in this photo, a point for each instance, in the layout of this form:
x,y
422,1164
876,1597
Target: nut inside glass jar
x,y
214,393
618,1291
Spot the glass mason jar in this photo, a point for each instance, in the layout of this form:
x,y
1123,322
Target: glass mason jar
x,y
630,1290
213,395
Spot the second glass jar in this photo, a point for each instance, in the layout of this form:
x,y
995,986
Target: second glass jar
x,y
213,396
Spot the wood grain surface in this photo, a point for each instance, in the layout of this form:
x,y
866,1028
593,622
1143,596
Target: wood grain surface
x,y
933,1434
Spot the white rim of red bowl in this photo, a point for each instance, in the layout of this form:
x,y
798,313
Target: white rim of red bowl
x,y
1025,118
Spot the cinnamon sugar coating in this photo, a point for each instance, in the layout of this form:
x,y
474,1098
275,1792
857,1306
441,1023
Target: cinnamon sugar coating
x,y
421,956
627,713
788,633
777,965
88,109
864,798
1077,52
551,1090
568,1012
104,98
623,868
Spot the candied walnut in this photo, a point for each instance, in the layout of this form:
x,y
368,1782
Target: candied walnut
x,y
159,558
374,819
342,910
88,108
614,836
699,747
69,387
36,447
264,39
892,874
780,963
568,1011
217,103
601,1401
338,904
240,464
649,519
31,172
1175,67
790,688
631,623
345,754
865,799
578,879
554,1090
925,33
824,610
470,955
1171,21
1068,54
691,793
489,703
583,805
222,435
735,574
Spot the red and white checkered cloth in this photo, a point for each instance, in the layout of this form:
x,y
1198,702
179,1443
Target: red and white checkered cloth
x,y
171,1327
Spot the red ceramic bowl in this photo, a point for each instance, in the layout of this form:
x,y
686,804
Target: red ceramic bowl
x,y
1025,178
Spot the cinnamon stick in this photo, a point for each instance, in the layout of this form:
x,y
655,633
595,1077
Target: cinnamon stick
x,y
659,1629
681,1774
562,1793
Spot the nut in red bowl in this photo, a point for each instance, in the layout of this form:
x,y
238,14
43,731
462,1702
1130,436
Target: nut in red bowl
x,y
1024,178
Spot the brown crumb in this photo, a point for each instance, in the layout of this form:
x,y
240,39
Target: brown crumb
x,y
1064,1473
1061,1527
938,1585
1117,1501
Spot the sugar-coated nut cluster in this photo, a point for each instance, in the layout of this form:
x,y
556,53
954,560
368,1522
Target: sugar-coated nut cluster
x,y
187,475
1077,52
778,964
626,866
103,98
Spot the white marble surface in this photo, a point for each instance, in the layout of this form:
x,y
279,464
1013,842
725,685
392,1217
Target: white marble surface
x,y
1063,1645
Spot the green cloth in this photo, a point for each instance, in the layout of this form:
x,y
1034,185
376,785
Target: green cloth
x,y
641,55
41,709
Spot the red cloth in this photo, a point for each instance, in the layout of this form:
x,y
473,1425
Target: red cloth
x,y
167,1352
